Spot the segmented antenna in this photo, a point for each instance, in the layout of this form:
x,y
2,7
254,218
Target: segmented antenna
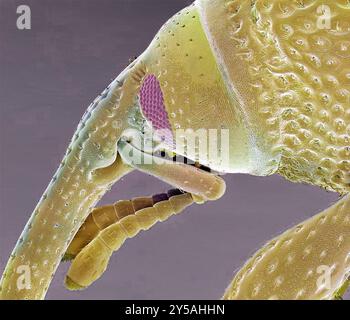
x,y
107,228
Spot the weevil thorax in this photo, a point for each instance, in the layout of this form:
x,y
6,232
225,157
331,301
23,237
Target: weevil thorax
x,y
288,64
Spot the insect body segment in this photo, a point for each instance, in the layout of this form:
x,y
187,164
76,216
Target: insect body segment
x,y
291,79
108,227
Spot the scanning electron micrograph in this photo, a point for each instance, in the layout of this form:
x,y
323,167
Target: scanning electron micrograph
x,y
214,165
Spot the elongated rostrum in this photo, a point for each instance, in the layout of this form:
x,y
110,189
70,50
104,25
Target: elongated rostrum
x,y
259,87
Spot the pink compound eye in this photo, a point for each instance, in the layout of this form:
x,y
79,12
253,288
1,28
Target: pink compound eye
x,y
153,108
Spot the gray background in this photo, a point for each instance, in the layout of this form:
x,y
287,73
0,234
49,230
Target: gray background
x,y
48,76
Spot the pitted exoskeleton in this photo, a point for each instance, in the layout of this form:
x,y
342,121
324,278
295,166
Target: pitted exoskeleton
x,y
263,75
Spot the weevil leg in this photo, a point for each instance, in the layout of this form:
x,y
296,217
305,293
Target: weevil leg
x,y
92,260
102,217
310,261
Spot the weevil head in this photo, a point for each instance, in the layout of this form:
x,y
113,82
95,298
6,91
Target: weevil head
x,y
184,95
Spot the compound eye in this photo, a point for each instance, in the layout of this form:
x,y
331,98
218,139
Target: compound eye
x,y
153,108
